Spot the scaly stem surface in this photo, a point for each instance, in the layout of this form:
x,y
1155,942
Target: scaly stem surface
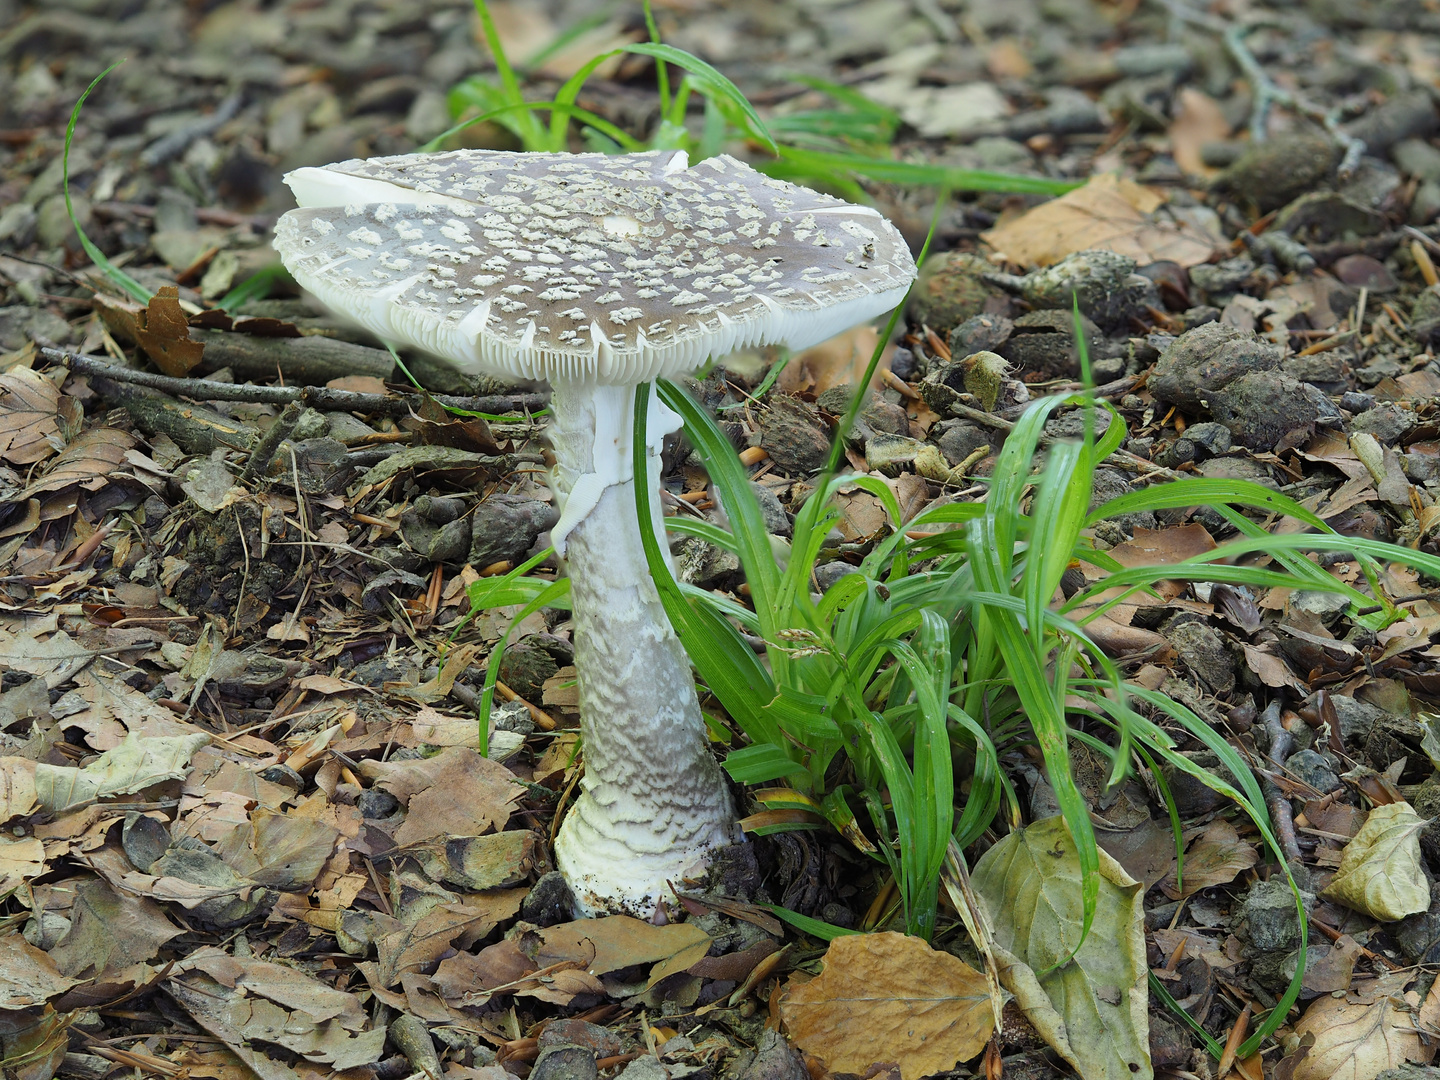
x,y
654,804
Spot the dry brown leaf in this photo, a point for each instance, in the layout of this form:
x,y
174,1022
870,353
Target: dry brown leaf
x,y
27,975
17,786
110,931
443,928
1198,120
164,334
133,765
20,860
890,998
455,793
1214,859
607,945
284,851
834,362
1109,212
29,420
87,461
1355,1041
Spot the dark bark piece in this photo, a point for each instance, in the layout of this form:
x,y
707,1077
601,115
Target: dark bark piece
x,y
309,361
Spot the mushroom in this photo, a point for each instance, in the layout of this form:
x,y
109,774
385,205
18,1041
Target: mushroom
x,y
599,273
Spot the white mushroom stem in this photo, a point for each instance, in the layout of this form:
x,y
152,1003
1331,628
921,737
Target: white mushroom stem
x,y
653,803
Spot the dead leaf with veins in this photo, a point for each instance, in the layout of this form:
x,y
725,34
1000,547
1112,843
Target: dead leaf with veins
x,y
135,764
27,975
109,931
1092,1009
20,860
1380,871
620,942
890,998
1216,857
1354,1040
29,417
1108,212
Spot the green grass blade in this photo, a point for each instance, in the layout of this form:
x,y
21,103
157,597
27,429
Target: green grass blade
x,y
532,135
794,161
710,83
131,287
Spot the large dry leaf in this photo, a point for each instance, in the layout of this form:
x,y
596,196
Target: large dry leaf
x,y
135,764
20,860
282,984
606,945
238,1017
1092,1010
88,461
29,420
455,793
1380,872
110,931
17,786
1355,1041
1109,212
442,929
27,975
280,850
890,998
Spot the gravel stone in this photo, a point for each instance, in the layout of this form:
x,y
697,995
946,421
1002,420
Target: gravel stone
x,y
958,439
950,290
1267,916
791,433
1203,650
1313,768
21,324
1262,408
1271,173
504,527
1207,359
549,901
565,1063
1386,422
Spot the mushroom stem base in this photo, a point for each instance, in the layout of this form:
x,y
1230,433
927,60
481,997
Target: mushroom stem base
x,y
654,803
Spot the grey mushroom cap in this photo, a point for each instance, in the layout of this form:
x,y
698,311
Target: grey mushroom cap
x,y
617,269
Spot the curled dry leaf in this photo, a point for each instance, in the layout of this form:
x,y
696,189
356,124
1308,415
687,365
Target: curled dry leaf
x,y
617,942
1091,1010
1354,1040
88,461
136,763
27,975
890,998
1380,873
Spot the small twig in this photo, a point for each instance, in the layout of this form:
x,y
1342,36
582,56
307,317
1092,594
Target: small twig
x,y
265,449
1279,806
322,398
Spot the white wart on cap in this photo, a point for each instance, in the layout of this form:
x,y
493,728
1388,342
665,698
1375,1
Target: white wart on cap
x,y
586,266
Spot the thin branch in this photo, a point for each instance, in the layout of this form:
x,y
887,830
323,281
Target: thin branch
x,y
322,398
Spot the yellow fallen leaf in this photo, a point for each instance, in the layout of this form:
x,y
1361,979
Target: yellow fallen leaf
x,y
890,998
1380,872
